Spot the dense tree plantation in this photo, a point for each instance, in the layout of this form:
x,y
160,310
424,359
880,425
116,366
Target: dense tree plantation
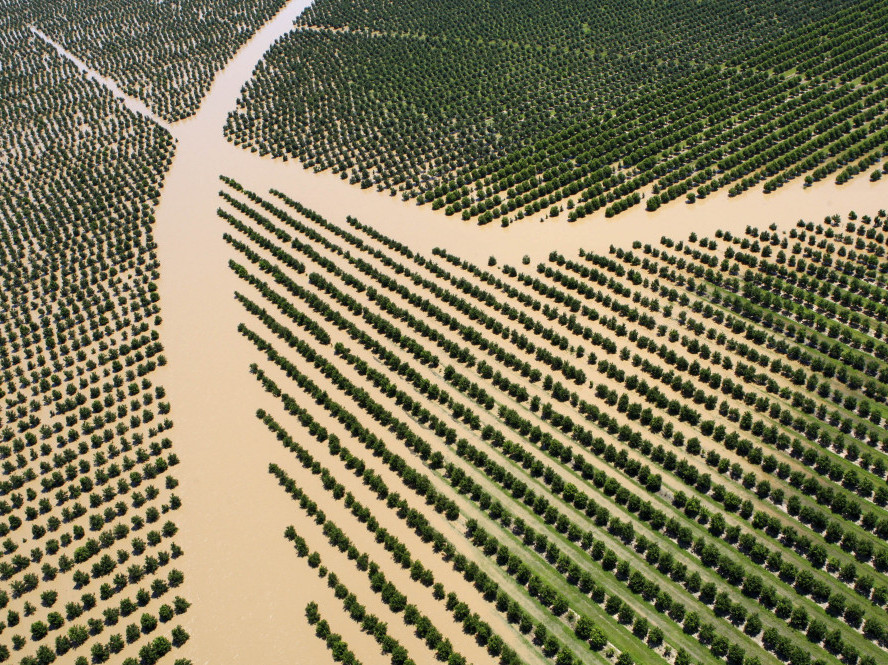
x,y
89,564
669,453
531,111
164,53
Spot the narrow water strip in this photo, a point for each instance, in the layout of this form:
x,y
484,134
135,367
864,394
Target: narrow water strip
x,y
248,603
133,104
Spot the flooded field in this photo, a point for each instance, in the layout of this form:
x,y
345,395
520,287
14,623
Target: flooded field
x,y
242,575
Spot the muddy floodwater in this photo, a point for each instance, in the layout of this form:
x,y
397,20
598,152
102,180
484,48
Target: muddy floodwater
x,y
247,603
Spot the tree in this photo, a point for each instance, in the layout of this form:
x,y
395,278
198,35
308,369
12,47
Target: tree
x,y
132,633
597,639
565,657
816,631
99,652
584,627
38,630
691,623
180,636
116,643
873,629
833,641
148,622
736,655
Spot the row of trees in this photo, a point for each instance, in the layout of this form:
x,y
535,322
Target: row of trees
x,y
338,647
86,490
414,517
797,481
866,587
164,55
864,487
401,555
870,523
693,479
682,122
534,589
488,308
